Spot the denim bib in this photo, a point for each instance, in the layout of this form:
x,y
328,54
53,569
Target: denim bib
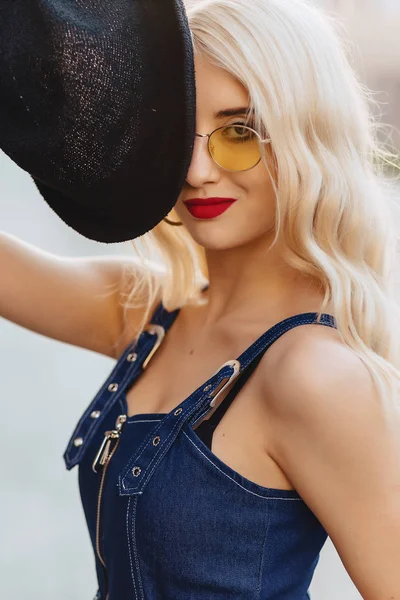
x,y
169,520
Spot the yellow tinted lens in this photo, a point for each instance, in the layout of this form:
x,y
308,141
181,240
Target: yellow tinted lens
x,y
235,147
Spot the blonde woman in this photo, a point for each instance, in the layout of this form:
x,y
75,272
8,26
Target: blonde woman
x,y
254,406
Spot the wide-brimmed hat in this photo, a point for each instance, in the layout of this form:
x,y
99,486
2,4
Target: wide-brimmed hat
x,y
97,104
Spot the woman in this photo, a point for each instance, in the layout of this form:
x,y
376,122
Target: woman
x,y
193,487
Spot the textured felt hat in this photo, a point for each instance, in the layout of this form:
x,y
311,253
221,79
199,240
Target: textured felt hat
x,y
97,104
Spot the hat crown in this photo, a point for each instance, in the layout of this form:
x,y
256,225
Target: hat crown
x,y
97,103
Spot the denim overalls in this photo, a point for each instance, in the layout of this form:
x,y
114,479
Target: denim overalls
x,y
167,518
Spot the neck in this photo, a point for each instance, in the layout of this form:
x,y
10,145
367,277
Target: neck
x,y
256,284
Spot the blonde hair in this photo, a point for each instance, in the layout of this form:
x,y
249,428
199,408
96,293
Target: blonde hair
x,y
333,202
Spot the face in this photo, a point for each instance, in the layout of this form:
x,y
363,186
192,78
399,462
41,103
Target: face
x,y
251,217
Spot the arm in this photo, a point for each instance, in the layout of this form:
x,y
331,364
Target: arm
x,y
73,300
331,440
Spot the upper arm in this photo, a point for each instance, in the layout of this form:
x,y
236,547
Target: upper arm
x,y
73,300
332,440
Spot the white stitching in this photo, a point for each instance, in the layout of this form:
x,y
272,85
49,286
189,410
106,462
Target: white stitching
x,y
129,546
107,406
136,458
250,352
228,476
177,424
261,567
143,421
134,548
278,333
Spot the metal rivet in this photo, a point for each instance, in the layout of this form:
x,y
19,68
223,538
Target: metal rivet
x,y
113,387
208,387
178,411
95,414
78,441
131,357
136,471
156,440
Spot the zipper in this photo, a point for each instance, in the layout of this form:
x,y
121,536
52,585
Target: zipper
x,y
103,458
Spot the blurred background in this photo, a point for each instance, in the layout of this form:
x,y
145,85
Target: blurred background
x,y
45,551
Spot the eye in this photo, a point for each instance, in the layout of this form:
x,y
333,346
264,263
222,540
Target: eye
x,y
237,131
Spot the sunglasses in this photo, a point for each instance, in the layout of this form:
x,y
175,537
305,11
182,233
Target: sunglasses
x,y
235,147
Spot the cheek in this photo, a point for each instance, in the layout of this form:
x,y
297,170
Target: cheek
x,y
259,188
259,209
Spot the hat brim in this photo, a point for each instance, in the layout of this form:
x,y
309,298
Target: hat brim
x,y
119,223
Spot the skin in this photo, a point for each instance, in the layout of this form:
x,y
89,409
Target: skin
x,y
243,272
250,291
309,417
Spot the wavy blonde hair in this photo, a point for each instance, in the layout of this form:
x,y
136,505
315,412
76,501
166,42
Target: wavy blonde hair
x,y
334,204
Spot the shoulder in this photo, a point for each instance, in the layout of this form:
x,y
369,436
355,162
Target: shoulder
x,y
340,449
313,363
322,405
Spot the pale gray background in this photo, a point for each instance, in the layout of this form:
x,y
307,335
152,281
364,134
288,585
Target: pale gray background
x,y
45,551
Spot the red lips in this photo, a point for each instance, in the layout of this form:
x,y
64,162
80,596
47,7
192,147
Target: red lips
x,y
208,208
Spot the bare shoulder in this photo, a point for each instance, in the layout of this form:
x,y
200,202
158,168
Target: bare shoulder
x,y
311,358
340,449
297,347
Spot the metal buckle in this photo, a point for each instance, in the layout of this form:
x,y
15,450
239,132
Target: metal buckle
x,y
160,331
236,369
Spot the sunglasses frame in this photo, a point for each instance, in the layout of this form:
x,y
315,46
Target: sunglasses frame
x,y
260,140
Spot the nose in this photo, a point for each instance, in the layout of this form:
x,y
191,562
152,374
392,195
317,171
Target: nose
x,y
202,167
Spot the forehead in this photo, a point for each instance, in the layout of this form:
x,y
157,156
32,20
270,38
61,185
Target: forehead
x,y
216,89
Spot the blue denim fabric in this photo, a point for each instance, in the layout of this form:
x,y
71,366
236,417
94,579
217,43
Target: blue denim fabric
x,y
177,523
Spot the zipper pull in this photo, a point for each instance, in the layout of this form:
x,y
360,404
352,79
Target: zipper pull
x,y
107,445
104,451
101,452
120,422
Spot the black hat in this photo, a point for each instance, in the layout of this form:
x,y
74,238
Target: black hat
x,y
97,104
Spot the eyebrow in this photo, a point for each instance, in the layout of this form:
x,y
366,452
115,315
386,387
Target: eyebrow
x,y
232,112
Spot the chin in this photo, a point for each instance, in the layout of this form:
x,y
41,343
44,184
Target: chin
x,y
216,240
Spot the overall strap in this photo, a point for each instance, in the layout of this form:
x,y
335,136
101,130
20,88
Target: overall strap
x,y
134,358
209,425
163,317
141,466
251,357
